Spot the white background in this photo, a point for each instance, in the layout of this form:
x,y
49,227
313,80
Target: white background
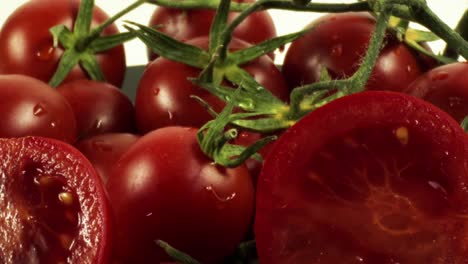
x,y
285,21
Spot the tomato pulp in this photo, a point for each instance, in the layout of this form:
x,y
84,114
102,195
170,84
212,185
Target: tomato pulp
x,y
375,177
53,208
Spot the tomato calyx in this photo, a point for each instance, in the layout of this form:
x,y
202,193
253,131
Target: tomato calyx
x,y
82,43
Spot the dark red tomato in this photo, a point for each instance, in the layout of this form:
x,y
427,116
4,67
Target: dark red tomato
x,y
99,107
163,94
445,87
29,107
184,25
338,42
165,188
375,177
53,207
105,150
26,45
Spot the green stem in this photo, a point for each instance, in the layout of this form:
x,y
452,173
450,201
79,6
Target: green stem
x,y
84,42
462,29
426,17
272,4
355,83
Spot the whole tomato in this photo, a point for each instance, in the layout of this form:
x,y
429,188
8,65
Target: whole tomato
x,y
29,107
184,25
99,107
104,150
446,87
164,92
53,206
338,42
26,45
165,188
374,177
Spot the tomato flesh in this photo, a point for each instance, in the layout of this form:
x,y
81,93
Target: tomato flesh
x,y
371,178
52,205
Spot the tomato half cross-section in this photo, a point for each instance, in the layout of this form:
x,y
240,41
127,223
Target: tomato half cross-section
x,y
375,177
53,208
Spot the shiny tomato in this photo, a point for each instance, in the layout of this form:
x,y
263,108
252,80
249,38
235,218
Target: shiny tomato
x,y
29,107
375,177
104,150
26,45
184,25
338,42
53,207
165,188
163,93
445,87
99,107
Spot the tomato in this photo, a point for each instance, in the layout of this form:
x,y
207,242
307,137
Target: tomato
x,y
99,107
445,87
165,188
185,25
29,107
104,150
375,177
53,207
163,93
338,42
26,45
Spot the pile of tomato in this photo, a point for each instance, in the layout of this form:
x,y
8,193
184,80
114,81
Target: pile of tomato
x,y
89,175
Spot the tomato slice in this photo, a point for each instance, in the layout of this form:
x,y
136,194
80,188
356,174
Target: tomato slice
x,y
375,177
52,205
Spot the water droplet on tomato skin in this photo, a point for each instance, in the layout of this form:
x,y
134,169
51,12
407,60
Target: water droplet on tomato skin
x,y
39,110
156,91
45,53
218,197
409,69
53,124
337,50
439,76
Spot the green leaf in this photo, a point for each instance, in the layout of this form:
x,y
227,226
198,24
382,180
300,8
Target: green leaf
x,y
464,124
176,254
69,59
219,23
108,42
248,54
171,48
89,62
62,35
264,125
84,17
242,78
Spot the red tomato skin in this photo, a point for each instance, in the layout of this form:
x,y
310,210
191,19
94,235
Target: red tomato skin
x,y
339,42
99,107
163,93
54,157
282,185
164,188
445,87
26,45
29,107
104,150
185,25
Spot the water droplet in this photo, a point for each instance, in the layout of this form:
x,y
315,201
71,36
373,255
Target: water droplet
x,y
437,186
149,214
247,104
39,110
337,50
101,145
45,53
455,101
360,259
169,113
53,124
156,91
409,69
218,197
98,124
439,76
